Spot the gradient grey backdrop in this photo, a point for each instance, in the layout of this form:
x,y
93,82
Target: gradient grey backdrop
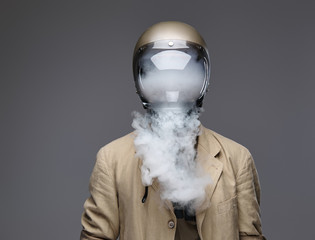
x,y
67,89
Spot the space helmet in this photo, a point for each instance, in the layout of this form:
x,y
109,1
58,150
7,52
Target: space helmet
x,y
171,66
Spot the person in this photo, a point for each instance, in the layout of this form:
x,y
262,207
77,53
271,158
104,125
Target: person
x,y
172,178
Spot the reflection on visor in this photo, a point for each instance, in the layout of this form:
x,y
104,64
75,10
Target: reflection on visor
x,y
170,59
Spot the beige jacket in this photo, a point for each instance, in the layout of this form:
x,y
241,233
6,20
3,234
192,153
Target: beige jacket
x,y
115,207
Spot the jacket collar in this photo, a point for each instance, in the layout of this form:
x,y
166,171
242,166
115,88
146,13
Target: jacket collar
x,y
208,142
207,152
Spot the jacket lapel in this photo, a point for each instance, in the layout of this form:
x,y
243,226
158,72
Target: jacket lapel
x,y
207,150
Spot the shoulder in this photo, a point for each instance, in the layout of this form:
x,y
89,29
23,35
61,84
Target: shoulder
x,y
234,152
230,145
118,154
119,146
118,158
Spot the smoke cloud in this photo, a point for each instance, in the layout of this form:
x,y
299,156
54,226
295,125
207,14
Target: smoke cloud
x,y
165,141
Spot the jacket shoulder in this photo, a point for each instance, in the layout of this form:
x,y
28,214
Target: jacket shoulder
x,y
237,154
228,144
119,146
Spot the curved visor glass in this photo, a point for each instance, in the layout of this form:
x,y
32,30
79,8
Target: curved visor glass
x,y
171,72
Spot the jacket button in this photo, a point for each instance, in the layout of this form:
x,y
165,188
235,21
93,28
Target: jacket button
x,y
171,224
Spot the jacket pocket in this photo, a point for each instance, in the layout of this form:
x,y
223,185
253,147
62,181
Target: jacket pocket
x,y
227,219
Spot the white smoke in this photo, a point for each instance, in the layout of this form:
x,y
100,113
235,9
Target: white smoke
x,y
172,76
165,141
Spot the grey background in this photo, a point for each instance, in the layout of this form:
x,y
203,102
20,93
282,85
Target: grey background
x,y
67,89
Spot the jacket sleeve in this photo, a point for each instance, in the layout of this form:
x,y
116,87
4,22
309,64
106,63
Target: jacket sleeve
x,y
100,219
248,197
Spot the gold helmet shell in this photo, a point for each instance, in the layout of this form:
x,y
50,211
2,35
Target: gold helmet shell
x,y
170,30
